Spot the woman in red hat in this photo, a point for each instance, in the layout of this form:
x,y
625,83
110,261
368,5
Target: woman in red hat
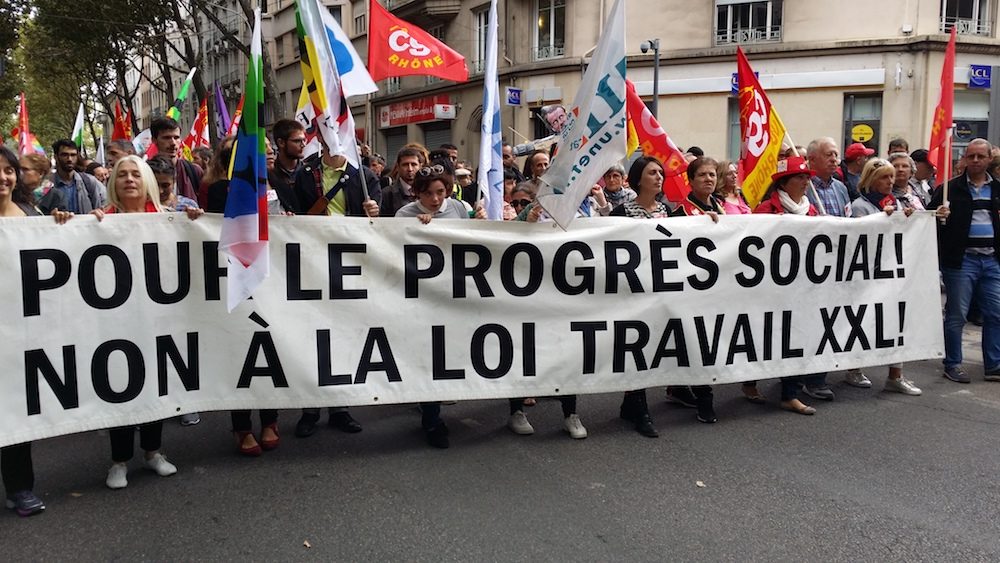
x,y
787,195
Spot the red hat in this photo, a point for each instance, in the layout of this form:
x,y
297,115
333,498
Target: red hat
x,y
792,166
857,150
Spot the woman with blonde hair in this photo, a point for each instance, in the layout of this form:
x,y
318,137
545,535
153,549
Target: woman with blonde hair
x,y
727,192
876,185
134,189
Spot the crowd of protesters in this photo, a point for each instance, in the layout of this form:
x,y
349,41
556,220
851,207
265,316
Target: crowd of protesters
x,y
436,184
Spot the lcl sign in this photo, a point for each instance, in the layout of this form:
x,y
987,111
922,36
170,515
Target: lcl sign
x,y
979,76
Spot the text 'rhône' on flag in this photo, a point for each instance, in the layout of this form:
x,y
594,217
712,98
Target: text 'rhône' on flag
x,y
595,132
653,141
244,228
399,48
761,132
938,149
490,139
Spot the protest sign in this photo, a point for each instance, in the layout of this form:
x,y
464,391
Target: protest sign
x,y
124,321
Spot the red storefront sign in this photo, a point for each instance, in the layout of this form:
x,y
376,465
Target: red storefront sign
x,y
410,111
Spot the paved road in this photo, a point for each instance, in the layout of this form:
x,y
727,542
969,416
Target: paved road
x,y
873,476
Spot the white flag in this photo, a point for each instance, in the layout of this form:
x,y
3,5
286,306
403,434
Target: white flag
x,y
490,143
78,129
336,124
100,159
595,132
353,74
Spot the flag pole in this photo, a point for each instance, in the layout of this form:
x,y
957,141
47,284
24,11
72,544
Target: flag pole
x,y
947,166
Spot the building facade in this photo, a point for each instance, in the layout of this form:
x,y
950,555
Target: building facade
x,y
853,70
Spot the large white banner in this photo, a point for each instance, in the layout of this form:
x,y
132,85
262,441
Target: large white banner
x,y
124,321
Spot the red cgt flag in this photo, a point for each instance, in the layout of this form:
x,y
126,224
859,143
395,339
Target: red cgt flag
x,y
397,48
653,141
941,125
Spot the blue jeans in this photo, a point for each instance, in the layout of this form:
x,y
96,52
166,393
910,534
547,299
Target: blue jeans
x,y
979,276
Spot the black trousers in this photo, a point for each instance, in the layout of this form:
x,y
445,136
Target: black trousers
x,y
568,405
241,419
15,465
123,440
430,415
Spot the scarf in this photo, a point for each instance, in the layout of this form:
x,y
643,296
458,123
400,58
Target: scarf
x,y
795,208
880,200
619,197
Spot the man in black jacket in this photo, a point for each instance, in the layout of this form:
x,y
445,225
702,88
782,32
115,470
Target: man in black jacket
x,y
969,250
332,186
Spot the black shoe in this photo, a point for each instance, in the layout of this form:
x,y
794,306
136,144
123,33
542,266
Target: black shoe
x,y
706,413
306,426
438,436
821,392
344,422
644,426
682,395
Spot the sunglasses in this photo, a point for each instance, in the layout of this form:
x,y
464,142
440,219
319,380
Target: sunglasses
x,y
520,202
437,170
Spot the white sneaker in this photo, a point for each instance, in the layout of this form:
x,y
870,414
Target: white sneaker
x,y
116,476
575,428
857,378
902,385
160,465
518,424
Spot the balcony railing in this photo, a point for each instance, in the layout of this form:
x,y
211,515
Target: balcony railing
x,y
748,35
965,26
477,67
548,52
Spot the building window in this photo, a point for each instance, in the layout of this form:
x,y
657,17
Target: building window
x,y
735,137
862,120
968,17
360,13
550,35
481,19
739,21
335,12
392,84
437,32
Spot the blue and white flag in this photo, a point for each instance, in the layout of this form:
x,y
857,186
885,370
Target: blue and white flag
x,y
354,76
596,130
490,143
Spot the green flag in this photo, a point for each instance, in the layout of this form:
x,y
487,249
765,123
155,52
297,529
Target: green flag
x,y
175,110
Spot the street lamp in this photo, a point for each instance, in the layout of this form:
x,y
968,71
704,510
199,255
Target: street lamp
x,y
645,46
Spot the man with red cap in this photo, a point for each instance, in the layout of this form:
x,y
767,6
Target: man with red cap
x,y
854,162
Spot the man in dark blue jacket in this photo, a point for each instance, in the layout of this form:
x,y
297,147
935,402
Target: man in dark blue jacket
x,y
969,250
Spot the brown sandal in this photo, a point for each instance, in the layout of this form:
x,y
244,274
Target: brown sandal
x,y
797,406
